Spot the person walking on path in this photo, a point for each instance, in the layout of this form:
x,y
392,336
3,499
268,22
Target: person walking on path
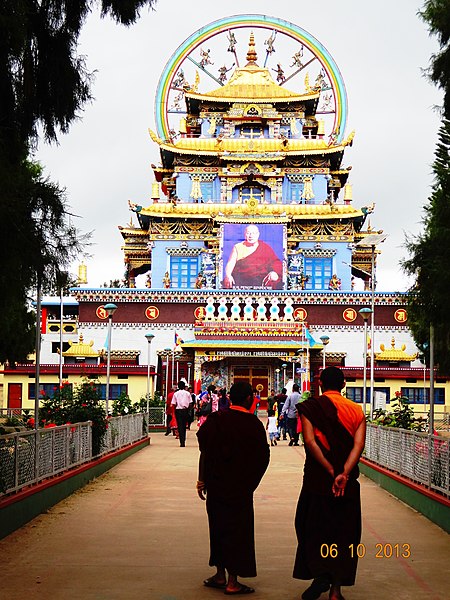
x,y
290,414
281,399
181,401
169,411
328,517
234,456
271,427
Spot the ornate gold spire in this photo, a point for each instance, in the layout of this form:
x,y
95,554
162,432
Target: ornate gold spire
x,y
252,57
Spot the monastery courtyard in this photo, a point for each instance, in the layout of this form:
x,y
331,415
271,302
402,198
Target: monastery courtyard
x,y
140,532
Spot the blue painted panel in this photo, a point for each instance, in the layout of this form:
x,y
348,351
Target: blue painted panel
x,y
183,187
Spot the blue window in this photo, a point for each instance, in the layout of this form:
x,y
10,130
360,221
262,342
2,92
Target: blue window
x,y
207,190
318,271
183,271
255,191
115,390
416,395
356,393
47,390
251,132
296,192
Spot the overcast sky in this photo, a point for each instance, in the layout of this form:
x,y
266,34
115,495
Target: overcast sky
x,y
380,47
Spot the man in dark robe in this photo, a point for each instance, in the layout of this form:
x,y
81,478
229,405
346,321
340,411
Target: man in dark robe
x,y
328,518
253,264
234,455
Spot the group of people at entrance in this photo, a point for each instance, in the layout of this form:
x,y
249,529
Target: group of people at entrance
x,y
182,406
234,455
283,418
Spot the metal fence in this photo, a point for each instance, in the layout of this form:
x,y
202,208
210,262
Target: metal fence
x,y
27,457
157,415
15,412
421,457
123,431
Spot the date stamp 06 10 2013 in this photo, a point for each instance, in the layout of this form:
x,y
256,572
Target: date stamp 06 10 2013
x,y
361,550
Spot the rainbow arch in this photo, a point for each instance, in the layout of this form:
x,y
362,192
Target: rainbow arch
x,y
239,21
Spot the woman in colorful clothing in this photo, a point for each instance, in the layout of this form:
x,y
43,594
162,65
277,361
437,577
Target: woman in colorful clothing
x,y
329,508
207,397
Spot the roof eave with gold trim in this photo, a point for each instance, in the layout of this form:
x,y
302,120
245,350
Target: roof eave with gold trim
x,y
240,344
223,210
225,154
395,356
254,99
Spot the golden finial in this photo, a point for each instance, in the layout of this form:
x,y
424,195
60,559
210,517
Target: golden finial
x,y
82,274
348,192
251,54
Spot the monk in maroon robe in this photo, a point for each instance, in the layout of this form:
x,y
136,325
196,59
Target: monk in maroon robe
x,y
234,455
328,519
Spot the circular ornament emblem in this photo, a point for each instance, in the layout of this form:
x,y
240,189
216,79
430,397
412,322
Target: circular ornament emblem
x,y
101,312
152,313
400,315
349,315
300,314
200,313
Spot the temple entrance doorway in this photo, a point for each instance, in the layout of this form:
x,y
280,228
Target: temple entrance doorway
x,y
258,376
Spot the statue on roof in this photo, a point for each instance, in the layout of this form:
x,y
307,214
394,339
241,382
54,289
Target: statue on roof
x,y
205,57
232,41
270,42
326,102
303,280
297,58
179,80
134,207
280,74
335,283
177,101
200,281
223,73
319,84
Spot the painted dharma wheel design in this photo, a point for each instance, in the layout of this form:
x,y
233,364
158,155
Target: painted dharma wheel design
x,y
207,59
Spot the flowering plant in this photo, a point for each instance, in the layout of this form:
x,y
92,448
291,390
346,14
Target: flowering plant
x,y
76,404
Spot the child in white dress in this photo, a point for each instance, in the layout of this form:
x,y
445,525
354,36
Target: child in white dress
x,y
272,427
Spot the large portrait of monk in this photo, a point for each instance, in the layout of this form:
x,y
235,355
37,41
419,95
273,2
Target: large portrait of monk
x,y
253,256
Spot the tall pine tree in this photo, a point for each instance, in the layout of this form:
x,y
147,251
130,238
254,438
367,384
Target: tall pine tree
x,y
429,262
43,86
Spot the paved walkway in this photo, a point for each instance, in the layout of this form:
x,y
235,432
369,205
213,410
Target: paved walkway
x,y
140,532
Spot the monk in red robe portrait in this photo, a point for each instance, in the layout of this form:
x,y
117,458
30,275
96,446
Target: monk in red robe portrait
x,y
253,264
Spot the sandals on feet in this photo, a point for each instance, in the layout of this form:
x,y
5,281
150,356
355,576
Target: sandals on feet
x,y
244,589
316,589
213,583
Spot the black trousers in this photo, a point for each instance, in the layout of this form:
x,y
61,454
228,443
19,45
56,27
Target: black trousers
x,y
292,428
182,418
168,419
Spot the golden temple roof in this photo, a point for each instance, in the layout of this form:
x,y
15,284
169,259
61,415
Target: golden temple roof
x,y
255,84
231,146
394,354
80,348
288,211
